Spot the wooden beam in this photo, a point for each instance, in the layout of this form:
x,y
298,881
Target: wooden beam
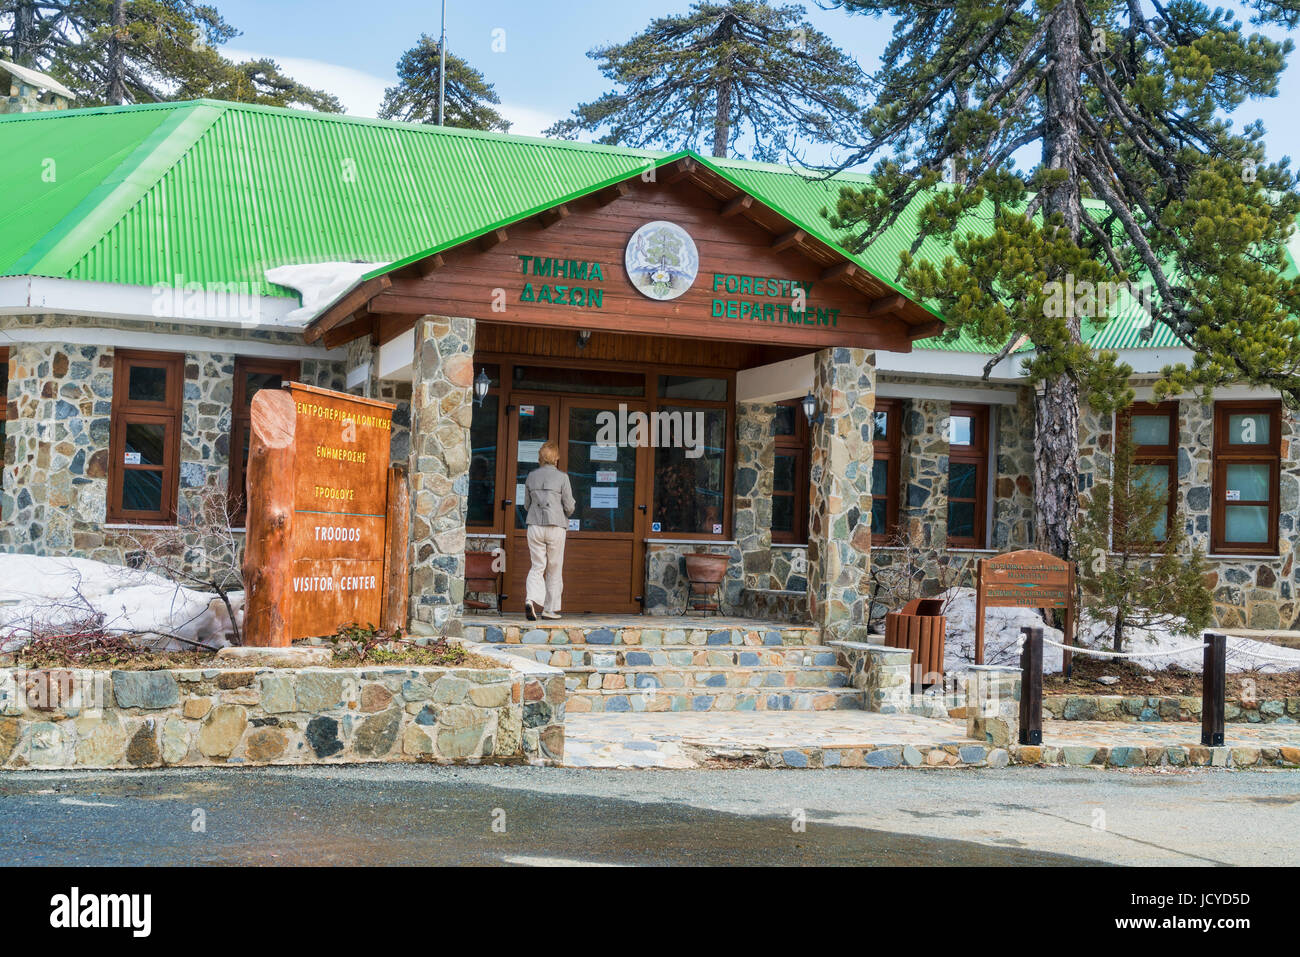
x,y
681,169
429,265
611,193
342,335
925,330
495,238
346,307
550,217
733,206
844,270
886,304
786,240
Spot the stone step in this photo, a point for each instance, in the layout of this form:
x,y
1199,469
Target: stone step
x,y
640,656
670,679
714,699
688,634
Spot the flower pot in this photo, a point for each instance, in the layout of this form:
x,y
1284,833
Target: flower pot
x,y
919,628
705,573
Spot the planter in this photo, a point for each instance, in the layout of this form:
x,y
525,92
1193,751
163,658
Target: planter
x,y
705,573
922,630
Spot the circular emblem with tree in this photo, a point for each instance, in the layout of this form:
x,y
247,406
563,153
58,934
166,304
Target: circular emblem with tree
x,y
661,260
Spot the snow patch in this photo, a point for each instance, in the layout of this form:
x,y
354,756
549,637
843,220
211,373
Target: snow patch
x,y
1151,645
42,593
318,284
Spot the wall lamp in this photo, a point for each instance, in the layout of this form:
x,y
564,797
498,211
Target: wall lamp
x,y
584,337
481,386
810,412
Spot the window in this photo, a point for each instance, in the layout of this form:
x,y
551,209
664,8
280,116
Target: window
x,y
885,470
1154,431
251,376
792,475
481,511
968,456
144,446
1247,460
690,492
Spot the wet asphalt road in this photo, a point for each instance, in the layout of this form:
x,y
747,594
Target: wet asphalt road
x,y
410,815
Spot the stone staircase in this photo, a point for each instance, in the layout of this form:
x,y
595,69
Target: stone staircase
x,y
681,664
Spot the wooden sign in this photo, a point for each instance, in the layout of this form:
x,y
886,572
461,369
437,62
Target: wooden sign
x,y
1024,579
320,551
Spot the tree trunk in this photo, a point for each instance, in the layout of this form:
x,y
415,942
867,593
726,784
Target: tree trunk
x,y
25,34
722,119
1119,630
116,92
1056,409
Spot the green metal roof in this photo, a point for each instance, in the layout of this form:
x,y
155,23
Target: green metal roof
x,y
215,192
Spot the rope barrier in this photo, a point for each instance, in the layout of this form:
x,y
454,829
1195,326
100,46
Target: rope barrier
x,y
1124,654
1255,654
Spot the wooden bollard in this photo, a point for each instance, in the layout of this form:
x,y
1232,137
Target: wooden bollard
x,y
1213,688
1031,686
269,494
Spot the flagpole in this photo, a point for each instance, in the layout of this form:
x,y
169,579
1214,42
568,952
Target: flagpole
x,y
442,64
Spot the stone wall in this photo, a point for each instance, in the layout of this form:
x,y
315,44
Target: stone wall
x,y
666,583
755,461
1134,708
215,716
1249,591
56,454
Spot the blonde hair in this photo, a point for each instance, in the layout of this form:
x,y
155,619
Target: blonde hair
x,y
549,453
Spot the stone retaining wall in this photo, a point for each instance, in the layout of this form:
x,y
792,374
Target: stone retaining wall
x,y
255,716
1154,708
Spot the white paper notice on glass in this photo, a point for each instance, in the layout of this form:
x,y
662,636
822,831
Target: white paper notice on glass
x,y
131,458
606,475
604,453
528,450
520,495
604,496
1234,495
717,529
575,525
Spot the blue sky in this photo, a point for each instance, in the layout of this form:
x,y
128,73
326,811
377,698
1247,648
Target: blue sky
x,y
351,49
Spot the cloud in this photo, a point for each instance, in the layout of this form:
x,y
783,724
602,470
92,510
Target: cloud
x,y
360,92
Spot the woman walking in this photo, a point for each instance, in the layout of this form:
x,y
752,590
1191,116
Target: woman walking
x,y
548,500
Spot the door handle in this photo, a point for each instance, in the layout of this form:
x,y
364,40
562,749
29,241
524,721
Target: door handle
x,y
506,503
642,507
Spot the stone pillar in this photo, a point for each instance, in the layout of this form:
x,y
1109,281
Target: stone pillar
x,y
993,705
442,403
755,460
839,523
924,509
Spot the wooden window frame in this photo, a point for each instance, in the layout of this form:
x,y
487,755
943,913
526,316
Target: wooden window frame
x,y
977,454
126,412
497,526
289,370
1166,454
1225,454
799,446
890,450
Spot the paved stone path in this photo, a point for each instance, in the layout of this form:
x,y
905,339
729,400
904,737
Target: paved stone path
x,y
864,739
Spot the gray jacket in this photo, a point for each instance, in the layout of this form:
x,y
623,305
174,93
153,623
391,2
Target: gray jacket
x,y
548,497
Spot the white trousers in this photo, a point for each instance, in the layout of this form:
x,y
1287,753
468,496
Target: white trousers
x,y
545,580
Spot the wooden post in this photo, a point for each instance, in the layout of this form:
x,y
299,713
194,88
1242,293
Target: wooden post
x,y
1213,688
1067,656
1031,686
979,612
269,494
397,540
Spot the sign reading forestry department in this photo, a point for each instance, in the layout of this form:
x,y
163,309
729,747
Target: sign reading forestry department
x,y
318,477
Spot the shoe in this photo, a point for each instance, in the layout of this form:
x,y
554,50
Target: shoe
x,y
530,611
551,615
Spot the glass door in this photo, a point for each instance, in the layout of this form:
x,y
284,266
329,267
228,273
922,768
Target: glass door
x,y
533,420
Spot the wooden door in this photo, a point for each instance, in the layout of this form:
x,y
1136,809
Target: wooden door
x,y
603,562
531,421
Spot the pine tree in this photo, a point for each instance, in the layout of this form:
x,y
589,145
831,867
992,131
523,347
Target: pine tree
x,y
469,98
728,69
139,51
1140,180
1134,565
